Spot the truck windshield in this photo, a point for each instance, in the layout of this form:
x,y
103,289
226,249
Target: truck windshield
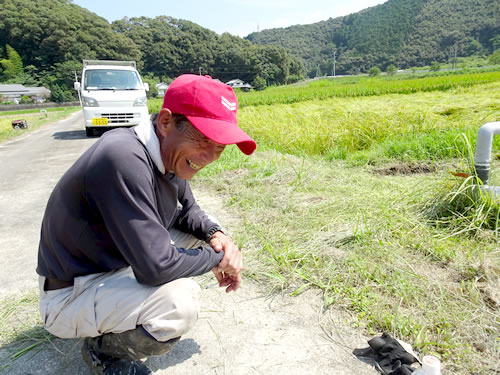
x,y
109,79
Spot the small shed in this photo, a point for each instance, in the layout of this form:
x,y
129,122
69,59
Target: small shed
x,y
162,88
14,92
239,84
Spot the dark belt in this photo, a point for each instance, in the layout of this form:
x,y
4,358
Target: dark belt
x,y
54,284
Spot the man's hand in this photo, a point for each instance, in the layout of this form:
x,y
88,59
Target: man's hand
x,y
232,262
231,281
228,272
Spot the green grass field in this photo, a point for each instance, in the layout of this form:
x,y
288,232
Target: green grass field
x,y
34,118
356,195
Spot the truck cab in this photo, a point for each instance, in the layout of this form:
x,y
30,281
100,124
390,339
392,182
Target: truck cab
x,y
112,95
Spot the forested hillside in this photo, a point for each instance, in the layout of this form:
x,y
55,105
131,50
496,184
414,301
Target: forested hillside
x,y
171,46
44,43
401,32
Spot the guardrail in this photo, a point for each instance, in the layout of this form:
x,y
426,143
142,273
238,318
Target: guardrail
x,y
15,107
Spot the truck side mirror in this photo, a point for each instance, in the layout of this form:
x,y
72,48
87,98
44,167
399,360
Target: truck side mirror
x,y
76,85
146,86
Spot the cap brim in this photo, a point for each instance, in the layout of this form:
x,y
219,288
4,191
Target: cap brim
x,y
224,133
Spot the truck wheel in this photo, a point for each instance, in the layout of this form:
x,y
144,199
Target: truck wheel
x,y
89,131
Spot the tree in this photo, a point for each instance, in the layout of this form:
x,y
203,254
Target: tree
x,y
435,66
259,83
318,72
391,70
495,42
172,46
54,31
152,81
472,47
30,77
56,94
60,93
375,71
13,65
411,32
494,58
15,59
25,100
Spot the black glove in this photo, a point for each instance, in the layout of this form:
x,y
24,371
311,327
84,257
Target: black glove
x,y
390,357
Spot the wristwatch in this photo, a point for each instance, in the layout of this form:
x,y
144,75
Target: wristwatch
x,y
212,231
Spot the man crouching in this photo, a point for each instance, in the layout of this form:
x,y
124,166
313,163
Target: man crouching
x,y
122,232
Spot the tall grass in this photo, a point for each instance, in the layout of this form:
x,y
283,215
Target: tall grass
x,y
462,204
420,126
364,87
350,87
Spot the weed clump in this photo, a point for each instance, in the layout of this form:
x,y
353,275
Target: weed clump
x,y
464,204
464,207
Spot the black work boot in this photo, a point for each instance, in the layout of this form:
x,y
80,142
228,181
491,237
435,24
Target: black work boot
x,y
119,353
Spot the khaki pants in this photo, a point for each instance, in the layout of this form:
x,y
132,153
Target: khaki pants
x,y
115,302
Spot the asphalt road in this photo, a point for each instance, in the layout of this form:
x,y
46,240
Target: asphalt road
x,y
30,167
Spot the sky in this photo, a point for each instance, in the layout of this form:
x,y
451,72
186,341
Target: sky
x,y
237,17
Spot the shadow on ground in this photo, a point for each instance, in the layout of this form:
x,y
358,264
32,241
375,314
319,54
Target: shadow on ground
x,y
183,351
79,134
35,351
69,135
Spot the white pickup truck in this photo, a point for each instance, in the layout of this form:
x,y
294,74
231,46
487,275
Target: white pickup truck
x,y
112,94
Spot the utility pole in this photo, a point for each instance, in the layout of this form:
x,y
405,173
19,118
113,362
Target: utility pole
x,y
334,55
455,48
200,69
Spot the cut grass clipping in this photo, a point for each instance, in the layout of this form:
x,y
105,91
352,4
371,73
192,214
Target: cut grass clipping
x,y
21,328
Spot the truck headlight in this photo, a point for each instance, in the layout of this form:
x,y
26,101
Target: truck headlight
x,y
89,102
140,101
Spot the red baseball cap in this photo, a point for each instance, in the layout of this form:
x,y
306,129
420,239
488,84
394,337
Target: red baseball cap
x,y
210,106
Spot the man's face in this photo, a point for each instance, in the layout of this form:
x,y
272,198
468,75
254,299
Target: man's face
x,y
185,150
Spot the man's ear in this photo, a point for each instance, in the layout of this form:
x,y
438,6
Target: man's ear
x,y
164,121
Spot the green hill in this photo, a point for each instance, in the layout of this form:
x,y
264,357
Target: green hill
x,y
44,42
401,32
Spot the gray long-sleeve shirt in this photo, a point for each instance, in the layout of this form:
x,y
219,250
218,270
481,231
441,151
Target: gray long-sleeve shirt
x,y
113,208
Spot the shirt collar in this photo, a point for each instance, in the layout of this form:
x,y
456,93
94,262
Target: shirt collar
x,y
146,133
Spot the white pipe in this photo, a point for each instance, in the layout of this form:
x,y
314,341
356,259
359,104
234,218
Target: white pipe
x,y
483,149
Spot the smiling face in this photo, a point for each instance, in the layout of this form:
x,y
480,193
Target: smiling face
x,y
184,150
